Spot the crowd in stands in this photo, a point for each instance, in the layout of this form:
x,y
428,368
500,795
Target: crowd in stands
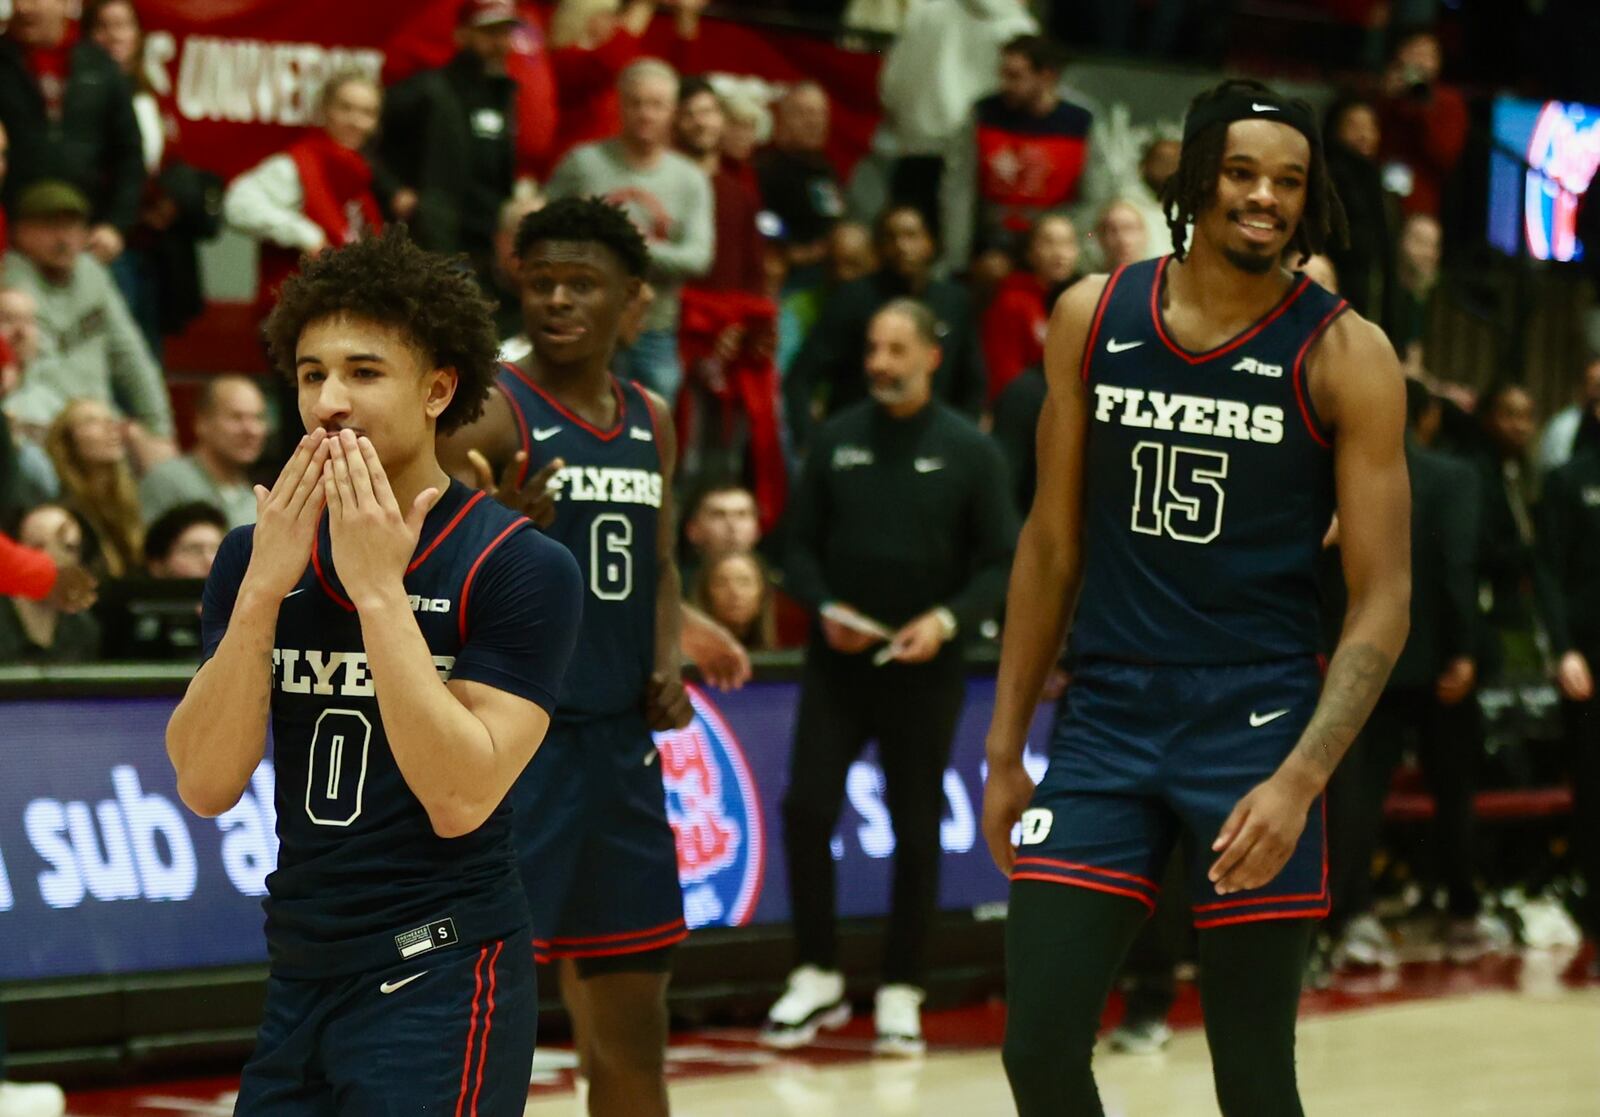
x,y
986,194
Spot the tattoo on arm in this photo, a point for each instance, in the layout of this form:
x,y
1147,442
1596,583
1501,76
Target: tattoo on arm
x,y
1355,680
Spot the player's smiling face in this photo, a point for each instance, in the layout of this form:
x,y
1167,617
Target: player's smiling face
x,y
1260,194
369,377
573,297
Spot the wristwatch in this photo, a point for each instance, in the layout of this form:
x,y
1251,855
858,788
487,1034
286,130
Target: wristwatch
x,y
948,625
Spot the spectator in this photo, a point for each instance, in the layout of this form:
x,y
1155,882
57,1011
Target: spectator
x,y
830,361
230,427
92,349
42,631
1119,168
734,589
1508,422
1416,274
851,255
448,137
749,128
88,446
1569,540
1561,432
667,196
1016,423
736,261
901,516
1121,235
798,183
318,191
31,573
1015,321
721,517
1429,699
924,126
183,541
592,42
26,475
507,268
69,114
1029,155
1424,123
1366,261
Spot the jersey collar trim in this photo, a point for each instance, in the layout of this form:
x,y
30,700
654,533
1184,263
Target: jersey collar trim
x,y
1288,300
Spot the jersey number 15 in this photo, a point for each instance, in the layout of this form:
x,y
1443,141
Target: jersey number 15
x,y
1177,491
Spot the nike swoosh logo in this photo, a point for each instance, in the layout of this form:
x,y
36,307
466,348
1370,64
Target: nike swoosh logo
x,y
291,593
928,465
1262,108
1258,720
1114,346
540,434
391,986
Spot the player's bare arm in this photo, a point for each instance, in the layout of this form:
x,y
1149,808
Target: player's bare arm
x,y
721,659
218,734
492,437
460,745
1047,570
1356,385
666,703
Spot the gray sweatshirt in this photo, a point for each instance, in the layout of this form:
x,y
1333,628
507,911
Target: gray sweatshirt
x,y
670,202
89,348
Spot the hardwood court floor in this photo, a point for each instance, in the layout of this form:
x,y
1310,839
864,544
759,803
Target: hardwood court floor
x,y
1511,1038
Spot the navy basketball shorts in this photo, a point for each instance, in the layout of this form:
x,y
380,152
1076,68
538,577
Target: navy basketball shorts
x,y
598,858
447,1035
1142,753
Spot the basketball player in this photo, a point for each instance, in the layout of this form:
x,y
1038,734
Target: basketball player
x,y
407,639
598,857
1207,412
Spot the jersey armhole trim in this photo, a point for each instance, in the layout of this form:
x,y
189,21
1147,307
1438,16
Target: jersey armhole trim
x,y
522,429
1308,409
472,573
1094,326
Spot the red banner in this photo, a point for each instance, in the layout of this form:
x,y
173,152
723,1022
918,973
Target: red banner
x,y
240,77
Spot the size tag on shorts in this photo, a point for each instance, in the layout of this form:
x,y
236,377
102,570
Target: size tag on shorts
x,y
441,932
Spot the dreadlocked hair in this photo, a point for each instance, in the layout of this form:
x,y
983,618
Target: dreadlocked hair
x,y
1194,185
430,298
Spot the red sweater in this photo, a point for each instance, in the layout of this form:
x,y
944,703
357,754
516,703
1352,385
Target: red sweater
x,y
1428,137
25,572
587,105
1013,329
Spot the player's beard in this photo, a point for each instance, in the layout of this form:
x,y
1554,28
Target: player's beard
x,y
1249,261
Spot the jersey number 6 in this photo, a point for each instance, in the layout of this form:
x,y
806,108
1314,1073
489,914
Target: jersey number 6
x,y
337,773
1177,491
610,560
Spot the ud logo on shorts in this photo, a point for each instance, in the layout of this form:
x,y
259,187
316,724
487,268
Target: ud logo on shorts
x,y
1036,823
715,816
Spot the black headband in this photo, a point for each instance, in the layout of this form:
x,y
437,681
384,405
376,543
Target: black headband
x,y
1244,104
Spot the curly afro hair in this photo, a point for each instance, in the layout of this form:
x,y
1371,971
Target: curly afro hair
x,y
586,219
389,280
1194,185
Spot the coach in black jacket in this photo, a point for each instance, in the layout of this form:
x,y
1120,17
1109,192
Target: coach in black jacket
x,y
68,112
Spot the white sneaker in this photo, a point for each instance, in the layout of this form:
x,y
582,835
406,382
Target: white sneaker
x,y
898,1017
1365,942
31,1099
813,1000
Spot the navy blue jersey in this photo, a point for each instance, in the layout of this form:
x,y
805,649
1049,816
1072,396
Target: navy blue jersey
x,y
362,880
1208,483
608,504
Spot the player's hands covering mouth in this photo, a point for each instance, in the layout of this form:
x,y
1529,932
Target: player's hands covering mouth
x,y
286,519
373,540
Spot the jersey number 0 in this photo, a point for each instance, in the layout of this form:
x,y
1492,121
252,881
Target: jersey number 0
x,y
336,775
